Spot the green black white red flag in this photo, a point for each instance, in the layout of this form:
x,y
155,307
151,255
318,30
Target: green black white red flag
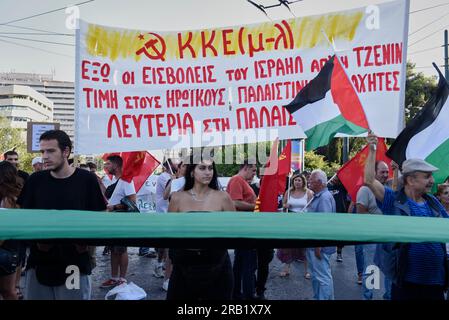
x,y
426,136
328,105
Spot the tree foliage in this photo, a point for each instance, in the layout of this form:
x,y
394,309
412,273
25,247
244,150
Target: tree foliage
x,y
418,89
15,139
312,161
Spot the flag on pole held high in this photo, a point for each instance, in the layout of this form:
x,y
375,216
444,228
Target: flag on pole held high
x,y
352,173
426,136
137,166
328,105
274,181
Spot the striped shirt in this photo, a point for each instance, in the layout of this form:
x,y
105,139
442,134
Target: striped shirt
x,y
425,261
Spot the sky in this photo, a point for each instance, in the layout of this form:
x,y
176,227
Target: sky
x,y
18,55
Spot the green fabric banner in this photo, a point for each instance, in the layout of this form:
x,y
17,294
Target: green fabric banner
x,y
53,224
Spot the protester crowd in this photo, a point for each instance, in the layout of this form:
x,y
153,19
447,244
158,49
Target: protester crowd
x,y
411,271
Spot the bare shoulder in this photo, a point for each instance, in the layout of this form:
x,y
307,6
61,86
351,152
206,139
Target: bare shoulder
x,y
218,194
310,193
179,195
225,201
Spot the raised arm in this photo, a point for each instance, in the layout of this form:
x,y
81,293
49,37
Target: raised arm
x,y
370,181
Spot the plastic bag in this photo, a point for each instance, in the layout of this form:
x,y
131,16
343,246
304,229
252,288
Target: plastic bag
x,y
126,291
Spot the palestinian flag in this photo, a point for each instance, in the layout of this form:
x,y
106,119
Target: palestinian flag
x,y
427,135
328,105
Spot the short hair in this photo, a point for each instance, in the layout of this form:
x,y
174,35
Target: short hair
x,y
247,163
378,162
92,165
117,160
10,153
83,165
406,175
60,136
321,175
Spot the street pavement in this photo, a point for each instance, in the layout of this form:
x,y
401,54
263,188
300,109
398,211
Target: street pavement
x,y
293,287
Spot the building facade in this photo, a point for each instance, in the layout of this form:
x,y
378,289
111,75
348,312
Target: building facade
x,y
20,104
61,93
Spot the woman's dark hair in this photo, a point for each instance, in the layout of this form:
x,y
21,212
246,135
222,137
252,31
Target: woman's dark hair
x,y
10,182
190,180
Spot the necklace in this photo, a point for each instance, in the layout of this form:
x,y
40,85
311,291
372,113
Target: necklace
x,y
195,198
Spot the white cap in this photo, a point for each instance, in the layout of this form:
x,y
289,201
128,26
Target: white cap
x,y
36,160
412,165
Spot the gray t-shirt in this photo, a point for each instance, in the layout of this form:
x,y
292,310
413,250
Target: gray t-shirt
x,y
366,198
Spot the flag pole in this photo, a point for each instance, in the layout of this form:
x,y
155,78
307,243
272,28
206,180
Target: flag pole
x,y
289,186
331,179
169,166
337,56
310,201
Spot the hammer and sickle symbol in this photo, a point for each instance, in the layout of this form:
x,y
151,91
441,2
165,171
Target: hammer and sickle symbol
x,y
156,52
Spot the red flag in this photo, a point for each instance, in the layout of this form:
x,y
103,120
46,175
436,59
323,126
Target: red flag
x,y
132,162
137,166
149,164
284,166
352,172
273,182
268,198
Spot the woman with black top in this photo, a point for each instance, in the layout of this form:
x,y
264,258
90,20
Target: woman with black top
x,y
200,274
10,186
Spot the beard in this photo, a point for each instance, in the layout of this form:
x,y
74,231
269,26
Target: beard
x,y
57,167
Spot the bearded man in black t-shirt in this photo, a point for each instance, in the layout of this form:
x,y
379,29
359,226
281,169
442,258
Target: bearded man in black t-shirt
x,y
60,187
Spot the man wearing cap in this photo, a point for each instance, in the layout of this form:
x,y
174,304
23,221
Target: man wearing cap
x,y
421,271
37,164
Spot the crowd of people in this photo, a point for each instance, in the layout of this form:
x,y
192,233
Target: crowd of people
x,y
412,271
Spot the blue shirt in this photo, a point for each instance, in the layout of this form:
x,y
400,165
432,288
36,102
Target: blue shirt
x,y
425,261
323,201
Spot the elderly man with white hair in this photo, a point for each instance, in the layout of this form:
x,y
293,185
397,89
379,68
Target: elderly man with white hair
x,y
319,258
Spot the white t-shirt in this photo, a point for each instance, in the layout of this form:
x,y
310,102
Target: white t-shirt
x,y
107,182
177,184
161,204
123,189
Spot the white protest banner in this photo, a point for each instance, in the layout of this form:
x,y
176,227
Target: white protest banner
x,y
141,90
146,197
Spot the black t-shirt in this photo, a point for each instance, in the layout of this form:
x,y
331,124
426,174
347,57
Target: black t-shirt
x,y
80,191
23,175
340,196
